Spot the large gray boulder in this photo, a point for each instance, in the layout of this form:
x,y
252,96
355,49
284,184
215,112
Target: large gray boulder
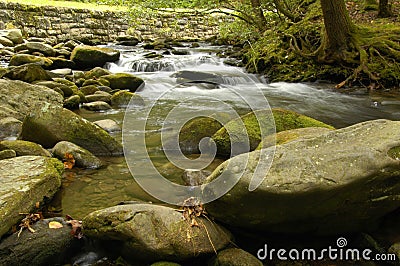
x,y
24,181
340,181
51,124
152,233
17,98
85,56
47,246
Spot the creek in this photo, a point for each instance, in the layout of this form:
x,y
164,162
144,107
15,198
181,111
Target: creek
x,y
85,191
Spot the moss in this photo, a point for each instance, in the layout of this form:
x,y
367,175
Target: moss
x,y
257,125
24,148
394,153
123,81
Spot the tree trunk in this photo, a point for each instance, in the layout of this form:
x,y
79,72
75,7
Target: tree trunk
x,y
384,9
259,15
339,30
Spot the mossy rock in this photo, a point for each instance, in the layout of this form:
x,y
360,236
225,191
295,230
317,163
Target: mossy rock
x,y
88,90
235,257
24,148
83,158
27,73
66,90
24,181
96,72
165,263
22,59
91,82
61,63
245,133
72,102
123,98
7,154
64,81
124,81
291,135
48,125
85,56
194,131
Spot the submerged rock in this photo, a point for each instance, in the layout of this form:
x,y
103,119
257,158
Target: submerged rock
x,y
235,257
83,158
47,246
85,56
97,106
152,233
17,98
24,181
340,181
244,134
22,148
51,124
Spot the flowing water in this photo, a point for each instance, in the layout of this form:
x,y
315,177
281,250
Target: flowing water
x,y
224,89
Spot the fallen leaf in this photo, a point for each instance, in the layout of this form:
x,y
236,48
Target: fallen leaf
x,y
55,225
69,161
37,205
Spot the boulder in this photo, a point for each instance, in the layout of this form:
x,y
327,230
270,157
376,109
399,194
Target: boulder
x,y
24,181
235,139
235,257
66,90
72,102
153,233
341,181
83,158
194,131
47,246
108,125
21,59
6,42
123,81
88,90
97,106
14,35
127,40
38,47
22,148
28,73
85,56
190,76
9,127
123,98
99,96
51,124
17,98
61,63
7,154
291,135
96,72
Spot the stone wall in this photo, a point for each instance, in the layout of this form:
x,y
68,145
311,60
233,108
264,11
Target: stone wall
x,y
103,26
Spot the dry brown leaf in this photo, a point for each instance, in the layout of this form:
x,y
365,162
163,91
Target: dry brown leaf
x,y
55,225
69,161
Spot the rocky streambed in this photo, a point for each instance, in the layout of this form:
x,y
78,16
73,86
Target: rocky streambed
x,y
60,118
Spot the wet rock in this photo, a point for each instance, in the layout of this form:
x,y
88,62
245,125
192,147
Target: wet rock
x,y
83,158
24,148
24,181
14,35
67,91
91,82
291,135
99,96
90,89
187,76
235,257
51,124
97,106
246,132
180,52
9,127
18,98
127,40
349,170
62,71
96,72
61,63
124,81
47,246
194,131
108,125
195,177
150,232
6,42
72,102
7,154
21,59
39,47
27,73
86,56
123,98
